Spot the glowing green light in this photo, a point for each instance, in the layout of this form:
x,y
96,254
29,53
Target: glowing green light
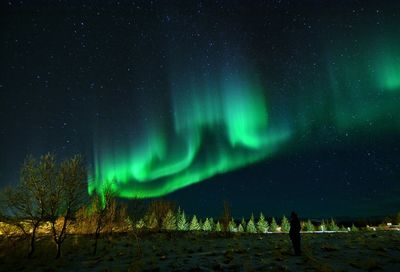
x,y
215,130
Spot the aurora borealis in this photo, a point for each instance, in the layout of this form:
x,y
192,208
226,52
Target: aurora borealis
x,y
268,104
216,129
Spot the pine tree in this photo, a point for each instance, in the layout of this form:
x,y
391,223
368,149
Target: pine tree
x,y
140,224
169,222
194,224
182,224
322,227
332,225
251,227
207,225
243,223
201,224
212,224
262,224
308,226
240,228
342,228
218,227
353,228
232,226
273,226
151,221
285,225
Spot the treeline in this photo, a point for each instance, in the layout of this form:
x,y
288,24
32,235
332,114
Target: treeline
x,y
51,199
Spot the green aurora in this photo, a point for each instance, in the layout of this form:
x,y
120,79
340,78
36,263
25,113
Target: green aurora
x,y
227,123
214,131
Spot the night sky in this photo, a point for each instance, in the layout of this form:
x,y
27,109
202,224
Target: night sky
x,y
272,105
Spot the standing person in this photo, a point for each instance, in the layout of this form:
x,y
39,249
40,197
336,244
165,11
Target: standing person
x,y
294,233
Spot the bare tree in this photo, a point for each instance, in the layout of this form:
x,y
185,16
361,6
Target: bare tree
x,y
66,194
103,212
25,204
226,217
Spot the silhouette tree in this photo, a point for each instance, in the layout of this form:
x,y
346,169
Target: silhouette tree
x,y
102,210
66,193
226,217
25,204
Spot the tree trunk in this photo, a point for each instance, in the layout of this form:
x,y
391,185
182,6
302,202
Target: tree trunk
x,y
96,238
58,250
32,245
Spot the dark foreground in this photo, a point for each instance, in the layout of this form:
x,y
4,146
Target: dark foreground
x,y
360,251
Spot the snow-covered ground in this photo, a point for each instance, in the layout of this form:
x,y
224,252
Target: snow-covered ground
x,y
353,251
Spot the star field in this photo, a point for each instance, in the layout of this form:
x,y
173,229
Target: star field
x,y
152,94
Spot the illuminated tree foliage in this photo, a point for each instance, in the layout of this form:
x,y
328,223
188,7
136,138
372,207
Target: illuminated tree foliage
x,y
194,224
251,227
353,228
323,226
332,226
308,226
169,221
182,224
285,225
218,227
262,224
232,225
240,228
273,227
243,223
206,225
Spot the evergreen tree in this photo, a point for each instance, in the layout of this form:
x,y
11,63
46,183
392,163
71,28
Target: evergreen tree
x,y
322,227
151,221
251,227
207,225
194,224
342,228
212,224
140,224
240,228
243,223
182,224
332,226
273,226
201,224
285,225
353,228
218,227
169,221
308,226
232,226
262,224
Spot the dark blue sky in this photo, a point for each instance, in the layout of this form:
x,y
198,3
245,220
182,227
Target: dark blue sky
x,y
73,73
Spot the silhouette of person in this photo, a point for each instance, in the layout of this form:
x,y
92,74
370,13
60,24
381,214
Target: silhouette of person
x,y
294,233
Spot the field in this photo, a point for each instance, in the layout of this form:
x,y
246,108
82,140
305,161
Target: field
x,y
177,251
